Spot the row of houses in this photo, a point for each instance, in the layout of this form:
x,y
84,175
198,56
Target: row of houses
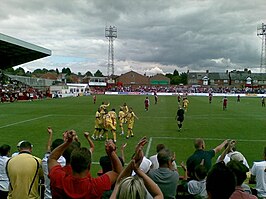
x,y
238,79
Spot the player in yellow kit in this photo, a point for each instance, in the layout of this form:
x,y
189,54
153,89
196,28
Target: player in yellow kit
x,y
104,106
130,122
185,103
125,108
121,117
110,123
98,125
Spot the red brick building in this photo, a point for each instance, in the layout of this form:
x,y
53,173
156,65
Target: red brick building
x,y
133,79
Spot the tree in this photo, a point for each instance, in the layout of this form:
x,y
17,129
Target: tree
x,y
10,71
98,74
88,74
66,71
183,78
175,73
175,80
20,71
57,71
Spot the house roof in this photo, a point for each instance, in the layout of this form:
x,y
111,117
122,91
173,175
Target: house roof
x,y
14,52
200,75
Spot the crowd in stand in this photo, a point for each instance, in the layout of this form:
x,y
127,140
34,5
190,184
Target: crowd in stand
x,y
13,90
176,89
65,172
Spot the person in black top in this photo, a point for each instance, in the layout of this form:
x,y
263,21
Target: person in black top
x,y
180,117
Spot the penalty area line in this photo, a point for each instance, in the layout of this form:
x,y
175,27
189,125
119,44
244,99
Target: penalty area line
x,y
24,121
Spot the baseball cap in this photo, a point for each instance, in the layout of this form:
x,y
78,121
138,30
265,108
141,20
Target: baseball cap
x,y
25,144
18,145
237,156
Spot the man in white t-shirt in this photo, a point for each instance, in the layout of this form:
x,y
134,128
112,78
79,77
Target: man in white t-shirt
x,y
154,160
258,173
233,155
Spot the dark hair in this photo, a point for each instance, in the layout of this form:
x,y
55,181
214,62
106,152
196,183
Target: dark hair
x,y
239,170
68,151
106,164
159,147
200,172
221,181
25,145
4,149
56,143
80,159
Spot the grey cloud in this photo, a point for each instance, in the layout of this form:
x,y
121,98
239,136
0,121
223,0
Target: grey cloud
x,y
153,35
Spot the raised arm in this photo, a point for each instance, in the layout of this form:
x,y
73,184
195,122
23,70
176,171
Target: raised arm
x,y
58,151
150,185
220,147
87,136
115,161
229,147
135,162
49,142
122,149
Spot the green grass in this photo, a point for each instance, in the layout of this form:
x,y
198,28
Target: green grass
x,y
244,121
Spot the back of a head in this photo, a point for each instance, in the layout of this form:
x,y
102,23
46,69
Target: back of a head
x,y
25,145
200,172
4,150
198,143
239,169
56,143
106,164
221,182
164,156
159,147
131,188
80,159
68,151
265,152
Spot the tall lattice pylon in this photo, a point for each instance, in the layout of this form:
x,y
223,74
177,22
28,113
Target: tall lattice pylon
x,y
111,35
261,32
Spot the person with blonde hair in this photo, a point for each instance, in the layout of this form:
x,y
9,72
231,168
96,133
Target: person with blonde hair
x,y
138,186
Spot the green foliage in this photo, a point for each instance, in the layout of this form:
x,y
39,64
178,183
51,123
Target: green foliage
x,y
19,71
10,71
98,73
66,71
176,79
88,74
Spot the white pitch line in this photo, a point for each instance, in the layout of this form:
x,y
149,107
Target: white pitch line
x,y
24,121
218,139
148,147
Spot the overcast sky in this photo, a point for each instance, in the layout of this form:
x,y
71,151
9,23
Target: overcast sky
x,y
154,36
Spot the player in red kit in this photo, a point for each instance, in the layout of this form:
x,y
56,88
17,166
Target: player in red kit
x,y
146,103
225,103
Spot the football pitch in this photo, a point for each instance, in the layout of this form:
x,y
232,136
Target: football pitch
x,y
245,122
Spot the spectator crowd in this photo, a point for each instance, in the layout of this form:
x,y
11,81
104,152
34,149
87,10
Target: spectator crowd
x,y
65,171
